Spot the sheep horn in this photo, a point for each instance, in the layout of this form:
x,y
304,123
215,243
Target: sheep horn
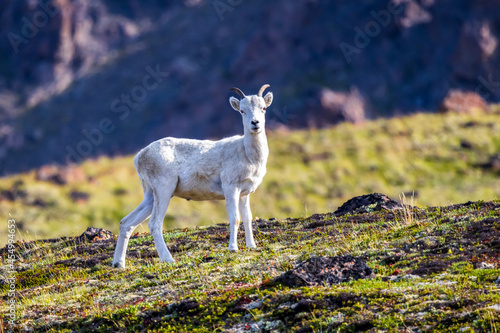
x,y
238,91
264,87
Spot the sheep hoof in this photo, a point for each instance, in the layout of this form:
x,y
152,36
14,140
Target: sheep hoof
x,y
119,265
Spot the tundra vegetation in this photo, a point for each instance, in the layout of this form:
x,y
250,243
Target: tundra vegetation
x,y
444,158
436,268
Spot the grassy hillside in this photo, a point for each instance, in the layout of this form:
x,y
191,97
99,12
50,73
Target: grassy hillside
x,y
435,270
444,159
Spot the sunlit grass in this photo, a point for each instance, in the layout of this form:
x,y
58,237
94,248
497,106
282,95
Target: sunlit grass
x,y
57,297
308,172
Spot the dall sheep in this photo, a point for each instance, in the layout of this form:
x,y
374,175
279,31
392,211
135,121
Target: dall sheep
x,y
229,169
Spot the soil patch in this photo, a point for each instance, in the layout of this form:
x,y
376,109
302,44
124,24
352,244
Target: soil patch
x,y
326,270
485,232
187,306
142,254
84,262
322,220
431,267
92,249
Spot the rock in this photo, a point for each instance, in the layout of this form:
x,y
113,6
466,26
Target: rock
x,y
338,318
245,328
93,235
406,277
465,144
494,307
38,202
15,192
253,305
307,305
79,197
462,102
486,265
368,203
493,164
266,326
326,271
497,281
188,305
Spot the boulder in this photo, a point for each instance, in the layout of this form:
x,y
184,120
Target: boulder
x,y
368,203
94,235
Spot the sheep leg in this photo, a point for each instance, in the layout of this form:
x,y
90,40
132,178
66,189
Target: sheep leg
x,y
246,217
127,227
232,197
162,195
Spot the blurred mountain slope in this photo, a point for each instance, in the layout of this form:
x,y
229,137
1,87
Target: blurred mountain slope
x,y
63,94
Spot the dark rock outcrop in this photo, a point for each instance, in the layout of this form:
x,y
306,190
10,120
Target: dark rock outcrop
x,y
93,235
328,271
368,203
79,196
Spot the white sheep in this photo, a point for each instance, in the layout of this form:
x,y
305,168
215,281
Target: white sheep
x,y
230,169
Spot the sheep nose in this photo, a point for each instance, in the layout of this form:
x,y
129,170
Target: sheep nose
x,y
255,122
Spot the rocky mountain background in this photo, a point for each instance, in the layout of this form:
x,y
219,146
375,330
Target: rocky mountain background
x,y
84,78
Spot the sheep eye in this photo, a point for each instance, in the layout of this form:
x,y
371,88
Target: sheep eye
x,y
263,109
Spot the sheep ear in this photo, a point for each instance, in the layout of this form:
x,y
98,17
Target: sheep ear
x,y
268,99
235,103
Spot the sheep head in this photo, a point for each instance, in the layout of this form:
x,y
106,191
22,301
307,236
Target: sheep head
x,y
252,109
